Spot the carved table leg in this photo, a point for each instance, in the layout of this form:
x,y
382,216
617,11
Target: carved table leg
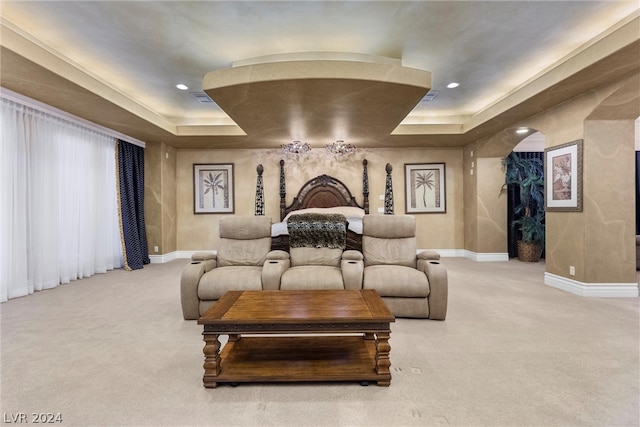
x,y
211,365
383,362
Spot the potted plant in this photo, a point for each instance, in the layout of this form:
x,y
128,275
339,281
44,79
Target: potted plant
x,y
528,177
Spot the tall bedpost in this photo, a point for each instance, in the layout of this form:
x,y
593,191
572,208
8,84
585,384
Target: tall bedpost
x,y
388,192
365,187
283,192
259,191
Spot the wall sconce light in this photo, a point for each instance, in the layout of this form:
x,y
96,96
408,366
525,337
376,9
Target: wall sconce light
x,y
339,148
296,147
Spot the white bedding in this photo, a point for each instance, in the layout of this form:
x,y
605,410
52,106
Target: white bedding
x,y
354,217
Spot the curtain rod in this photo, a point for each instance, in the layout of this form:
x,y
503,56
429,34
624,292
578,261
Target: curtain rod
x,y
48,109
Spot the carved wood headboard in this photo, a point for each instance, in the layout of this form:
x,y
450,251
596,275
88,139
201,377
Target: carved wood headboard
x,y
323,191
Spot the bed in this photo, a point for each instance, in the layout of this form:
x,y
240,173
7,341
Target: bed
x,y
323,194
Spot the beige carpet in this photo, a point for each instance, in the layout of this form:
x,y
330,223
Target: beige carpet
x,y
113,350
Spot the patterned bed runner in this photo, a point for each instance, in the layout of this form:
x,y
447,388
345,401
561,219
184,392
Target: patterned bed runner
x,y
314,230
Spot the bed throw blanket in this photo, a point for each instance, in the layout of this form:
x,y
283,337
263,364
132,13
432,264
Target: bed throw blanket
x,y
312,230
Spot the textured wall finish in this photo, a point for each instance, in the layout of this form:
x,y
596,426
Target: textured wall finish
x,y
153,207
492,207
609,205
599,241
169,216
470,178
196,232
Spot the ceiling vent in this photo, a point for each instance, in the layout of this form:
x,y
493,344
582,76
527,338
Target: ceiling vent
x,y
430,96
202,97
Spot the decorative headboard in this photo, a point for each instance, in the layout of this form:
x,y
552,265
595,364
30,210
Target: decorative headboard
x,y
323,191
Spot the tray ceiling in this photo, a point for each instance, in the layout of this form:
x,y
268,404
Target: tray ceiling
x,y
117,64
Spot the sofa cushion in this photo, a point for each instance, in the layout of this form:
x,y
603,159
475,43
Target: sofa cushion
x,y
243,252
216,282
389,226
312,277
315,256
379,251
396,281
244,227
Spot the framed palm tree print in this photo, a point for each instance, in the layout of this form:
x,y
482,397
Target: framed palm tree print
x,y
213,188
424,188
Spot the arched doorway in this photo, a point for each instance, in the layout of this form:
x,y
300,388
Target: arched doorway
x,y
531,147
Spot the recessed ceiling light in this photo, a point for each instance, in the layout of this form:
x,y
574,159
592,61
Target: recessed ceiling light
x,y
453,84
182,86
522,130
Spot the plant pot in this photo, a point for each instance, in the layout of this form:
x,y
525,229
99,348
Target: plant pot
x,y
529,251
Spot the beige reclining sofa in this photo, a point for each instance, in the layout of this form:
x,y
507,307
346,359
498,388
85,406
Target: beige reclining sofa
x,y
245,248
412,285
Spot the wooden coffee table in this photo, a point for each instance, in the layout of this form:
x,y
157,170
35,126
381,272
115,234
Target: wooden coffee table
x,y
335,335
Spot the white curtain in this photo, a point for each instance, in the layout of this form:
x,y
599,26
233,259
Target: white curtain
x,y
58,212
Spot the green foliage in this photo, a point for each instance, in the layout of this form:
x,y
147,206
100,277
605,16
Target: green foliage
x,y
532,227
528,176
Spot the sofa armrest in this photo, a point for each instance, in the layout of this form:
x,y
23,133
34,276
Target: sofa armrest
x,y
277,255
272,272
352,271
428,255
189,280
352,255
204,256
438,289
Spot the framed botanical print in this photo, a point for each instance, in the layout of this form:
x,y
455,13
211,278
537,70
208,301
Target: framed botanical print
x,y
424,188
213,188
563,177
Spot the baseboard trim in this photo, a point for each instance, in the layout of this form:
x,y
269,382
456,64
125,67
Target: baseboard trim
x,y
599,290
474,256
188,254
447,253
161,259
486,256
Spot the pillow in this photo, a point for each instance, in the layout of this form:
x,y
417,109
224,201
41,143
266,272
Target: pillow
x,y
348,211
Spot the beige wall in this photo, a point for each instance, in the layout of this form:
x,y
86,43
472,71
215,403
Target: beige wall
x,y
160,198
196,232
609,204
470,191
491,206
153,206
599,241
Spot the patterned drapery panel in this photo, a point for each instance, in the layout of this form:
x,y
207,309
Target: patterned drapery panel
x,y
131,205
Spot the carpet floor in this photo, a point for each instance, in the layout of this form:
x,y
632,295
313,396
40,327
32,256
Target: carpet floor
x,y
113,350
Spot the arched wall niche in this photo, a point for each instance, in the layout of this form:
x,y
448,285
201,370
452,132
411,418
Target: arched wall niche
x,y
606,225
534,142
502,143
598,242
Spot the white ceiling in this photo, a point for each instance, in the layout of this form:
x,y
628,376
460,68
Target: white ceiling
x,y
142,49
